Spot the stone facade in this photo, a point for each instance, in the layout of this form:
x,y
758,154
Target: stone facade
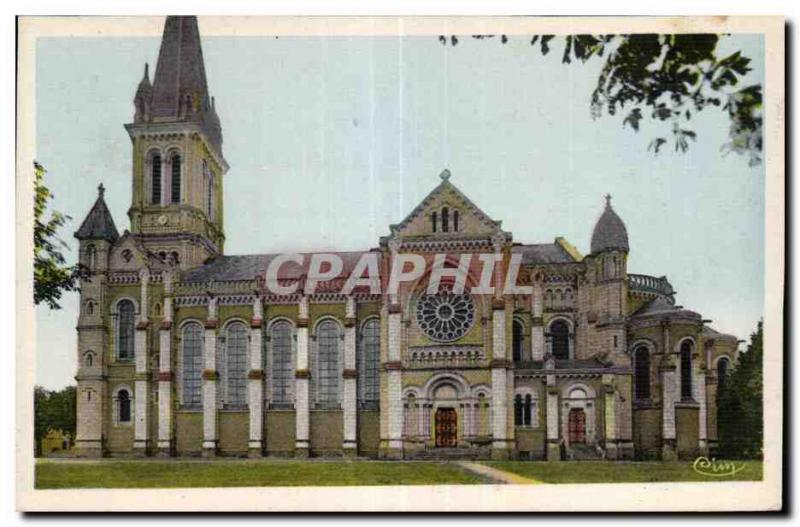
x,y
183,350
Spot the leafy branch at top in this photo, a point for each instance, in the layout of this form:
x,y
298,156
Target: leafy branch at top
x,y
666,78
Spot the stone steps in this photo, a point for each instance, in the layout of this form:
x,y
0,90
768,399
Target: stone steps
x,y
583,453
460,454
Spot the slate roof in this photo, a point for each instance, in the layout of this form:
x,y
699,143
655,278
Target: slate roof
x,y
98,224
710,332
662,306
249,266
543,253
609,231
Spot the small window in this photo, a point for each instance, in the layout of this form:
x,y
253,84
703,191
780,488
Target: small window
x,y
91,256
455,221
433,221
124,406
127,255
88,360
90,307
445,219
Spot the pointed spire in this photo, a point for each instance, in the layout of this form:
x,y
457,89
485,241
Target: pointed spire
x,y
609,231
180,71
98,224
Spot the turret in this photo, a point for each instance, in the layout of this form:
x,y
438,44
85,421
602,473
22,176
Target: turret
x,y
143,98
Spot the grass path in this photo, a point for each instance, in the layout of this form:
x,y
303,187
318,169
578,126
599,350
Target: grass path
x,y
497,475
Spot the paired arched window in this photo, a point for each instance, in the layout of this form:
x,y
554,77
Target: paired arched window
x,y
175,163
192,364
723,367
155,179
523,410
326,364
559,339
236,340
126,314
281,372
517,340
641,373
124,406
368,364
445,219
686,369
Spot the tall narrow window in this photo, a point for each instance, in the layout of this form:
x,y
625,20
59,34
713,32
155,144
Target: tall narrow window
x,y
236,359
559,338
686,370
433,221
723,365
517,341
124,406
455,221
327,364
526,410
281,372
192,363
641,373
209,191
518,413
445,219
91,256
125,329
176,178
369,363
155,180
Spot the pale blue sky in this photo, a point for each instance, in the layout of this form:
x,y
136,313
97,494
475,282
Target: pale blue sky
x,y
332,139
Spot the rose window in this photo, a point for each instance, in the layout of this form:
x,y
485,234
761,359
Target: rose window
x,y
445,317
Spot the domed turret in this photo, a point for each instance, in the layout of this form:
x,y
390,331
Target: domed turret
x,y
609,232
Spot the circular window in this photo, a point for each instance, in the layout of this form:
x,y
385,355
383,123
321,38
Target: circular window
x,y
445,317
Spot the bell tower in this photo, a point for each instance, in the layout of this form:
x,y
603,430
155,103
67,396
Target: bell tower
x,y
178,165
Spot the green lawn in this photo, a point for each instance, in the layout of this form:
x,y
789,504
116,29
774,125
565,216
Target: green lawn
x,y
244,473
624,472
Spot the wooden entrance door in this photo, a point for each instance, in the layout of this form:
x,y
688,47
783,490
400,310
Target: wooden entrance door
x,y
446,427
577,426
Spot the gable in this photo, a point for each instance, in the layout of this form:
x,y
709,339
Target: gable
x,y
446,199
127,255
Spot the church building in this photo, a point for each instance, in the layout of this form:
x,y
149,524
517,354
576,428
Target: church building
x,y
183,349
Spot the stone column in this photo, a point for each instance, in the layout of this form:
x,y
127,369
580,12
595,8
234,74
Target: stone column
x,y
670,391
612,439
499,365
702,414
301,396
165,443
553,447
349,376
141,432
537,323
210,379
255,383
394,385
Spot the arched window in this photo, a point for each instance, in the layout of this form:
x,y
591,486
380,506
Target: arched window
x,y
88,359
155,180
410,416
124,406
192,364
368,365
281,372
686,369
527,409
455,221
125,329
517,339
723,366
91,256
641,373
326,364
433,221
519,419
559,339
445,219
90,307
236,364
176,178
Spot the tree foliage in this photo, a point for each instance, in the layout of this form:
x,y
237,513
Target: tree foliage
x,y
51,275
667,79
740,405
53,410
